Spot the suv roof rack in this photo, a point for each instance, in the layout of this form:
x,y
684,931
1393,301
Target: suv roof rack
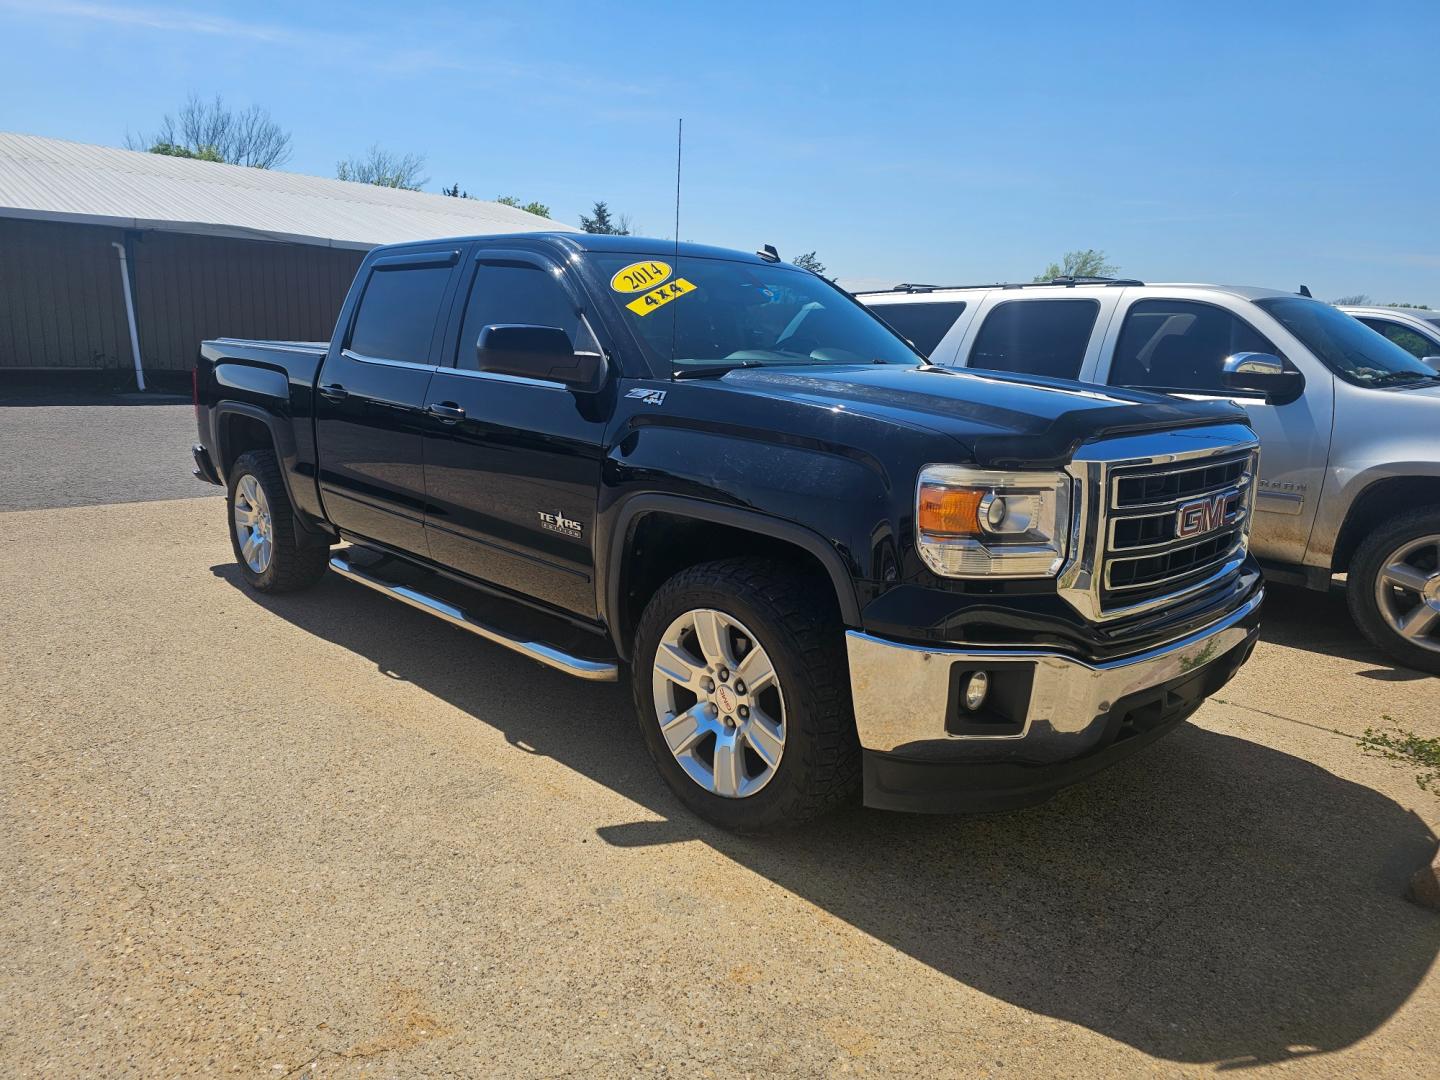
x,y
1063,282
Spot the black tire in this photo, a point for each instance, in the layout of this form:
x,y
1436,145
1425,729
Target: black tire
x,y
296,561
1370,558
820,767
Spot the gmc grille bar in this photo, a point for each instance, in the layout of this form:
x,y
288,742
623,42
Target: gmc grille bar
x,y
1159,520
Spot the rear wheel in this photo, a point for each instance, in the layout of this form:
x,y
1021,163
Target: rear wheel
x,y
1394,588
743,694
273,557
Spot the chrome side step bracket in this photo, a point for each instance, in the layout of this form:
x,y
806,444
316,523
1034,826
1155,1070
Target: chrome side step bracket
x,y
593,670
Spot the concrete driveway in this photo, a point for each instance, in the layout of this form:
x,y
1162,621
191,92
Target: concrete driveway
x,y
327,835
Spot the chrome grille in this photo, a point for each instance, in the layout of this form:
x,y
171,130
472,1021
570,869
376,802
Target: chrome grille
x,y
1145,556
1160,518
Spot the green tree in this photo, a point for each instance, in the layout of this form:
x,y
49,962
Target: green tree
x,y
455,193
211,131
539,209
600,221
204,153
1087,263
1417,307
808,261
384,168
1358,299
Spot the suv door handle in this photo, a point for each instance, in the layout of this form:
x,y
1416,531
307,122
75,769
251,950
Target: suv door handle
x,y
334,391
446,412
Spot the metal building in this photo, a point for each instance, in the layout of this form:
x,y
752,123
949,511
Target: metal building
x,y
206,250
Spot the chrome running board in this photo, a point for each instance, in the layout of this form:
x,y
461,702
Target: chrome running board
x,y
593,670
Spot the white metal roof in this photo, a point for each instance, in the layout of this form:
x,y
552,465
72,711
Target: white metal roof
x,y
56,180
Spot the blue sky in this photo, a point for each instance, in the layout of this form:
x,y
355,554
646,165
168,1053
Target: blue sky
x,y
1257,143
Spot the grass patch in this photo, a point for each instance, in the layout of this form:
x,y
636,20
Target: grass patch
x,y
1406,748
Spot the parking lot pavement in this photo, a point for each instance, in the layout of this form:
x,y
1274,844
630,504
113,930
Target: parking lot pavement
x,y
72,450
327,835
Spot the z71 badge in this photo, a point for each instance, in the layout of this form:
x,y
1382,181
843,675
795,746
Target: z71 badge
x,y
649,397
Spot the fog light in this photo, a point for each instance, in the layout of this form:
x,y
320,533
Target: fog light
x,y
976,687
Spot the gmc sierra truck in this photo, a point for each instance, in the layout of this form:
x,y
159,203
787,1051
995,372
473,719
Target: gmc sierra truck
x,y
827,567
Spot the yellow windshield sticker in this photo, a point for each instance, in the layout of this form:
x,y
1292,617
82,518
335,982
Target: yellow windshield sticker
x,y
639,276
658,298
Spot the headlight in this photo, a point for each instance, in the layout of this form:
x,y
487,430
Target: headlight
x,y
976,523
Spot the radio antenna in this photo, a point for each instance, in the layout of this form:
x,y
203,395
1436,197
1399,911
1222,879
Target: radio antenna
x,y
675,311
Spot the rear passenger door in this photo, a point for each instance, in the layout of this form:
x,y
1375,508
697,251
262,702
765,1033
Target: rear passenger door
x,y
1053,332
1177,345
370,401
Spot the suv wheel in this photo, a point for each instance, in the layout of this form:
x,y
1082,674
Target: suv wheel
x,y
272,557
743,695
1394,589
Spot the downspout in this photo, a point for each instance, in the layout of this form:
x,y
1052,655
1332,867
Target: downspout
x,y
130,314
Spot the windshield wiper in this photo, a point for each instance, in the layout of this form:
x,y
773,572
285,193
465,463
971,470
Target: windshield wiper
x,y
707,370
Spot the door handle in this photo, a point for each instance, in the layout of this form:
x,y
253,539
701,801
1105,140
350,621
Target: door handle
x,y
446,412
334,391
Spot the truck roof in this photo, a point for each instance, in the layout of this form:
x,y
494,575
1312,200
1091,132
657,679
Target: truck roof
x,y
598,242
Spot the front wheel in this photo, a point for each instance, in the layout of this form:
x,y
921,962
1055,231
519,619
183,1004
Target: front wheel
x,y
743,694
263,534
1394,588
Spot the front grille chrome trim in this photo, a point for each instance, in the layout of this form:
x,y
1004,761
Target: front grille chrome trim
x,y
1098,468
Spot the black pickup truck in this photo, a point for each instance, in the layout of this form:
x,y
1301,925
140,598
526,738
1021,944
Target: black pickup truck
x,y
827,567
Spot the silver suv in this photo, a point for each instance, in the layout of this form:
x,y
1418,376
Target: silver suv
x,y
1349,422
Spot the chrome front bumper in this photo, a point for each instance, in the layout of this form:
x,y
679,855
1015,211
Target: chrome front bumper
x,y
904,705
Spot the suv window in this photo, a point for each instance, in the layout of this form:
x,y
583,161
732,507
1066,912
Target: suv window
x,y
516,293
923,324
1036,337
397,313
1180,345
1412,341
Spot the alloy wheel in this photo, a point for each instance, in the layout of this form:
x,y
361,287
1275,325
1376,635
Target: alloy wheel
x,y
253,527
1407,591
719,703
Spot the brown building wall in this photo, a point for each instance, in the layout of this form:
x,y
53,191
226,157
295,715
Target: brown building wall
x,y
61,303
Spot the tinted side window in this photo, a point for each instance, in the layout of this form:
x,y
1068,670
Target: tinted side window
x,y
923,324
1036,337
397,313
1180,345
515,293
1409,340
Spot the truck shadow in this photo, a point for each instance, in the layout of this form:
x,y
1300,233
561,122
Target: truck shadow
x,y
1211,901
1320,622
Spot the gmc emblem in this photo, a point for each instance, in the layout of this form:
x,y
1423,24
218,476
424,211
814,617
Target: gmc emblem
x,y
1205,515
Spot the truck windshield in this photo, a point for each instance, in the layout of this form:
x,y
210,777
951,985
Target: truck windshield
x,y
1346,346
713,315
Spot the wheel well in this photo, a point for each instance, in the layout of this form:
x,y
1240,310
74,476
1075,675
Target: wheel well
x,y
238,434
660,545
1377,503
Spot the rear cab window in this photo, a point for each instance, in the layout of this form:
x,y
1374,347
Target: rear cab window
x,y
1036,337
924,324
397,314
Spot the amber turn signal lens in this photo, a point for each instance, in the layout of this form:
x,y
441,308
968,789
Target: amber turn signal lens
x,y
950,511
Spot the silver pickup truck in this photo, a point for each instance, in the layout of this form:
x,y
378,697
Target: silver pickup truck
x,y
1349,422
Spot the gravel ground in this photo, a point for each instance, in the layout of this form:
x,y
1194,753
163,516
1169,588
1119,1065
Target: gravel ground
x,y
327,835
72,450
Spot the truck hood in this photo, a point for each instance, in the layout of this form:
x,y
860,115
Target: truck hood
x,y
1004,421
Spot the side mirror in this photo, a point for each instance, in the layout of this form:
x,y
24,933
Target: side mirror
x,y
1433,361
1268,374
537,352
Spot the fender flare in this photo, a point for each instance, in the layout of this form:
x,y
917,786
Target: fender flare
x,y
283,439
638,506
